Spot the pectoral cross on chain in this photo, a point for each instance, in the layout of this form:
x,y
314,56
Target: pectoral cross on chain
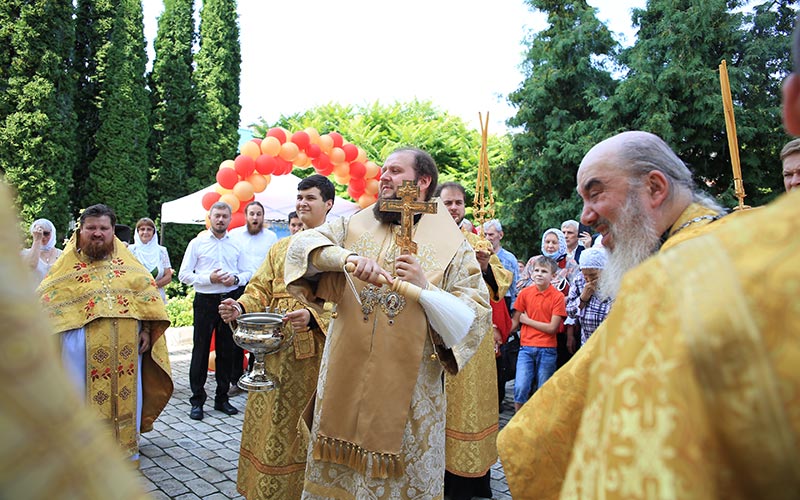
x,y
408,206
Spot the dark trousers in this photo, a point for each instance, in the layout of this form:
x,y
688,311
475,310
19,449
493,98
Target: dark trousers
x,y
464,488
237,363
206,321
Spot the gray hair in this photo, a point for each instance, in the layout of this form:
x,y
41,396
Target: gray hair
x,y
494,223
570,222
221,205
644,152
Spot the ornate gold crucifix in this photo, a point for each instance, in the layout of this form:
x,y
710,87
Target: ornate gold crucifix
x,y
408,206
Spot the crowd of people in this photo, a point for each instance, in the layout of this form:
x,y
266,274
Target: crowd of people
x,y
656,356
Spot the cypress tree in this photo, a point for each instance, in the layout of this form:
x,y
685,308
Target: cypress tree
x,y
672,87
93,24
118,173
564,78
215,133
37,138
171,95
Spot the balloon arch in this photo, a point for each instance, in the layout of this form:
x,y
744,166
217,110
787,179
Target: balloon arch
x,y
238,180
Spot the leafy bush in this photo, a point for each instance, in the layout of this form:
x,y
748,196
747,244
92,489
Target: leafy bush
x,y
179,309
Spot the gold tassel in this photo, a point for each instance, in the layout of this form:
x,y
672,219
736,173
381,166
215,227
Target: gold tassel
x,y
352,460
318,450
383,467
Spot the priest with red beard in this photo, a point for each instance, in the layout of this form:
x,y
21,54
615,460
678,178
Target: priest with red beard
x,y
111,322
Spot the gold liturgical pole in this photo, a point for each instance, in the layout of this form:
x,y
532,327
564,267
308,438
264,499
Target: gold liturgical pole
x,y
483,206
733,142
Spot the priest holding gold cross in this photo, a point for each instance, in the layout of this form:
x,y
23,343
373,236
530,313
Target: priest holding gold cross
x,y
378,420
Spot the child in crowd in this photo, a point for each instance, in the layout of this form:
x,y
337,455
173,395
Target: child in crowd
x,y
540,309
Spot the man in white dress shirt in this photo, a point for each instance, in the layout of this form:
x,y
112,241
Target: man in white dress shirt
x,y
255,241
215,266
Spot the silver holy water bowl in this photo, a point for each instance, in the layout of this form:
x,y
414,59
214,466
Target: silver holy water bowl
x,y
262,334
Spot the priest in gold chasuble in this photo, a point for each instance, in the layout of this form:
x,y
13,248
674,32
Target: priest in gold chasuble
x,y
274,443
111,322
53,447
472,410
692,390
378,421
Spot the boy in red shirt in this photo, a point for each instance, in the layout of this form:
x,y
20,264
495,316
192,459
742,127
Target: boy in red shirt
x,y
540,309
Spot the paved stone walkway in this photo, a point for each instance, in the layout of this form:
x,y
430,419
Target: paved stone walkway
x,y
184,459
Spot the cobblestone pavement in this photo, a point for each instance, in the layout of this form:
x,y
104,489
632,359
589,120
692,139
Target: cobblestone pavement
x,y
185,459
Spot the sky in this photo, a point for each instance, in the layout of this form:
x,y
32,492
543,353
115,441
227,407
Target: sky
x,y
463,56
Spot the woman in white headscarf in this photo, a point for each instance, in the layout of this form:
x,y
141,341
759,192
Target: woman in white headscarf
x,y
554,245
153,256
43,252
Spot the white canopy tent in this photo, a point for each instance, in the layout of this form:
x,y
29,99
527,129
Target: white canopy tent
x,y
278,199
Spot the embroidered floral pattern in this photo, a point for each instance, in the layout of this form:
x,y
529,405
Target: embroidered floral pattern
x,y
125,393
83,278
79,265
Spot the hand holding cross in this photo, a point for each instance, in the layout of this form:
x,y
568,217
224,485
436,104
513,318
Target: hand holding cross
x,y
408,206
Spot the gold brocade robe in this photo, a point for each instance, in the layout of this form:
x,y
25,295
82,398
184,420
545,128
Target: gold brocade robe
x,y
472,412
272,460
52,445
660,335
423,440
107,299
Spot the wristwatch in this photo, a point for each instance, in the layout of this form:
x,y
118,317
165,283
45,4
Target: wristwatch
x,y
236,280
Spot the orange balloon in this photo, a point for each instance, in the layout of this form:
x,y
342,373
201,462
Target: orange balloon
x,y
341,169
337,155
258,182
243,190
250,149
231,200
341,179
372,170
366,200
221,190
271,146
362,156
326,143
289,151
302,160
227,164
372,187
313,135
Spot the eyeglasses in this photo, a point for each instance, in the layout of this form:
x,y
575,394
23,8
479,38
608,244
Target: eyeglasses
x,y
45,233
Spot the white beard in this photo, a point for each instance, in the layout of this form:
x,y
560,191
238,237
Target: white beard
x,y
635,239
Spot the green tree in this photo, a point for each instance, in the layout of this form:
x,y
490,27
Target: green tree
x,y
380,129
215,132
756,75
565,78
672,87
118,174
37,140
171,95
93,24
9,13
